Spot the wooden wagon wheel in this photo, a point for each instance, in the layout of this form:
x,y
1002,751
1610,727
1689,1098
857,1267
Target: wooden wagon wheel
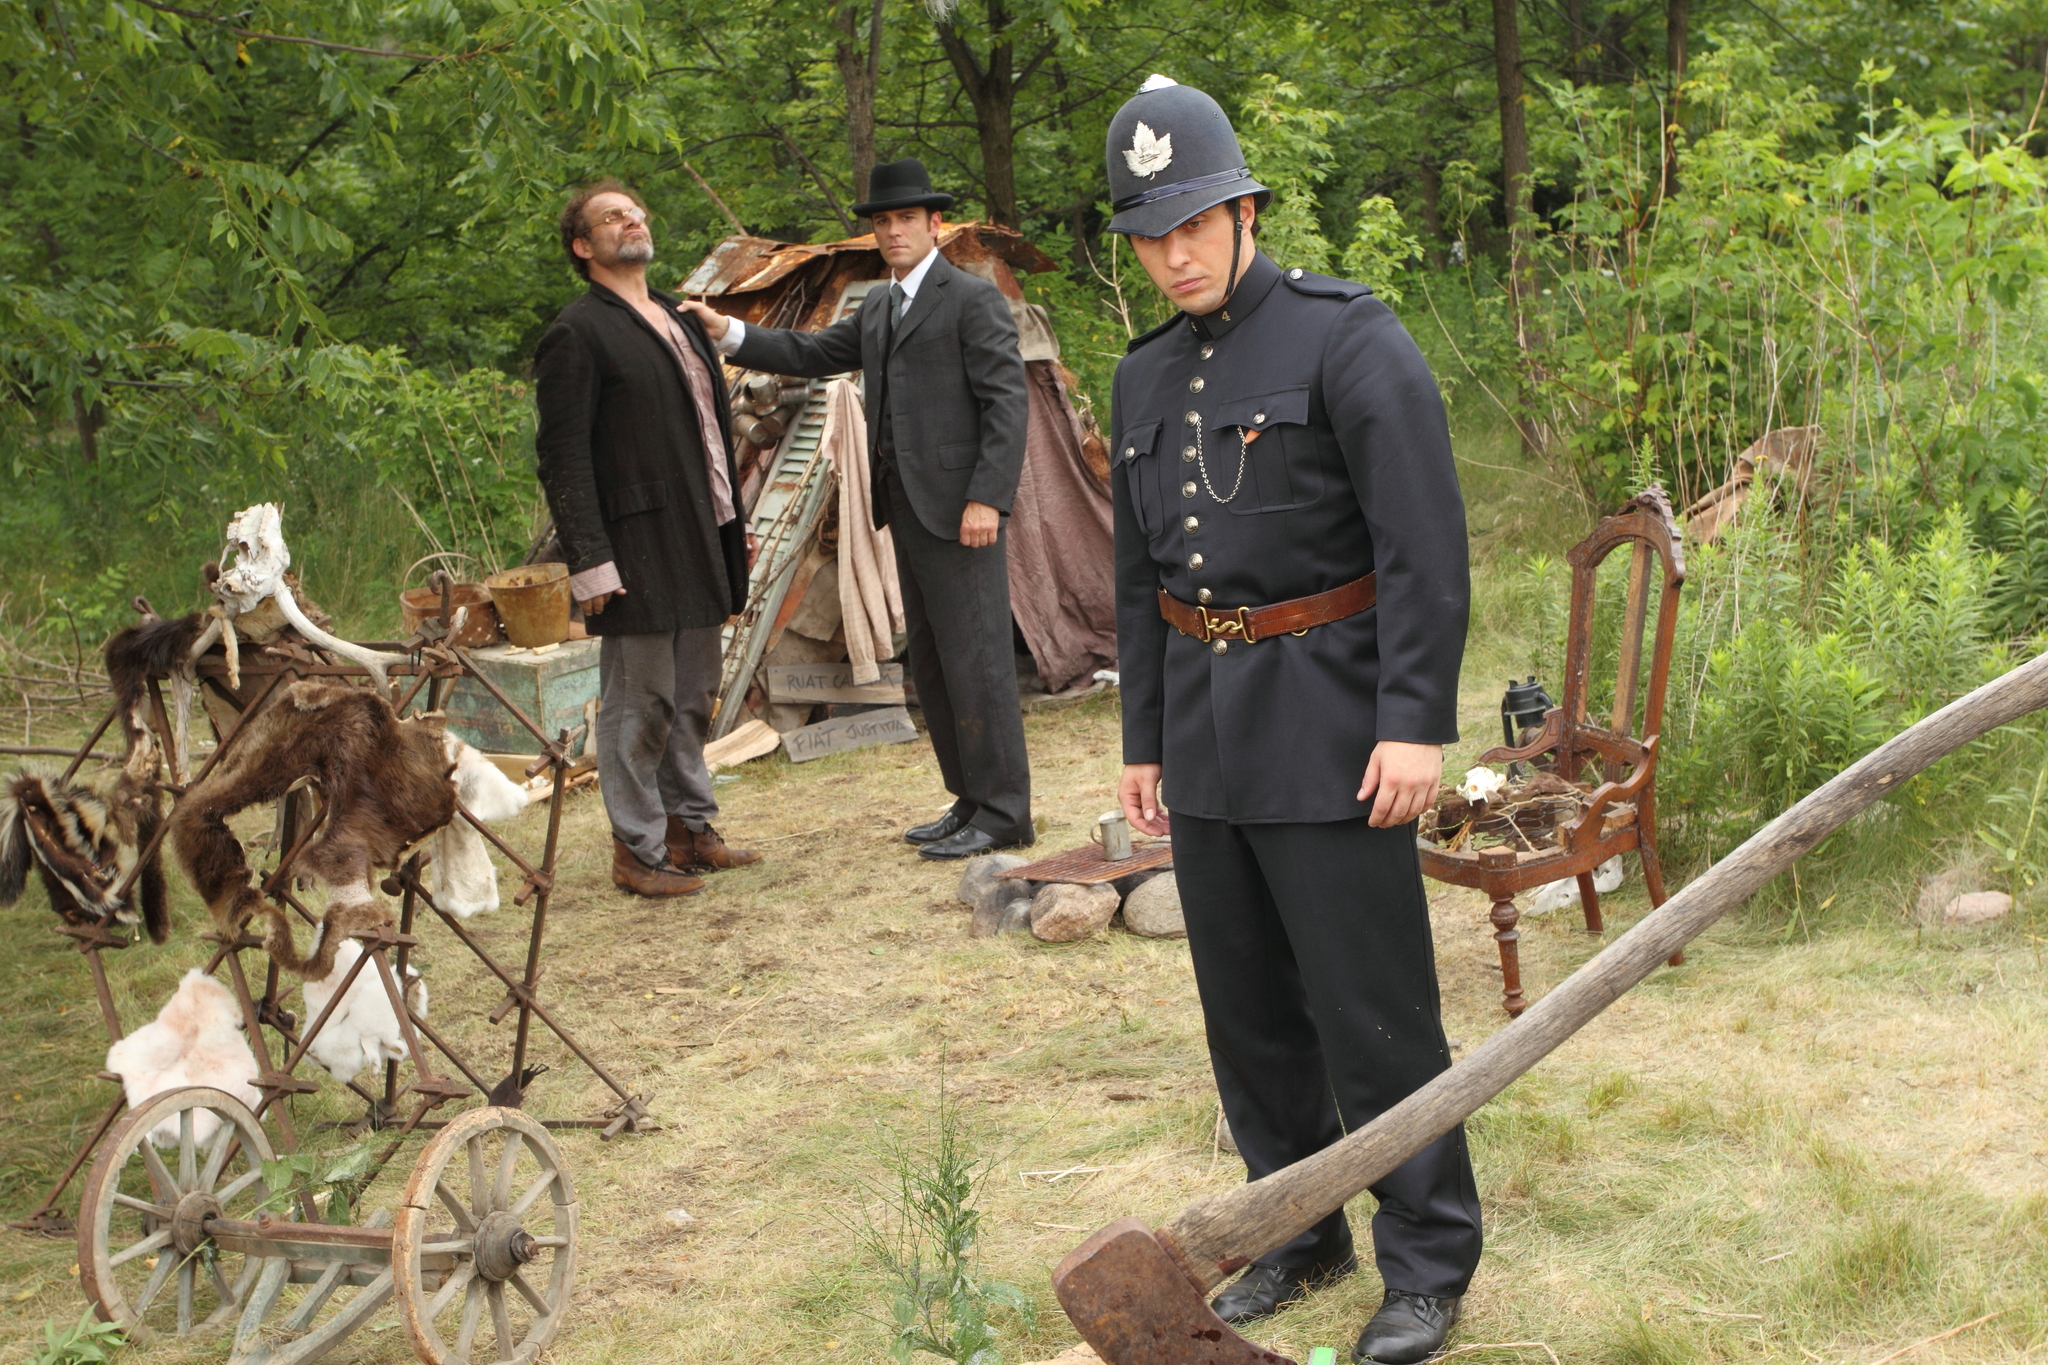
x,y
140,1215
488,1200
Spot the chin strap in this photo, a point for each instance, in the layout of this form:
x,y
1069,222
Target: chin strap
x,y
1236,245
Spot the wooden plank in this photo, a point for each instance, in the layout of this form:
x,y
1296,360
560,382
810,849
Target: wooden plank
x,y
1086,865
801,682
841,733
1629,665
747,741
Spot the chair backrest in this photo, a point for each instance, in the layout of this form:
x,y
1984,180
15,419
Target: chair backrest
x,y
1648,528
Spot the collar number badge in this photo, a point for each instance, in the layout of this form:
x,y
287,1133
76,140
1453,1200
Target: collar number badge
x,y
1150,153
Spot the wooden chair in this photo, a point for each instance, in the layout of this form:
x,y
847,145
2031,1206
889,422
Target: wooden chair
x,y
1620,813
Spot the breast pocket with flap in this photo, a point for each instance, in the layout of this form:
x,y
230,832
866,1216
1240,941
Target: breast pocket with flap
x,y
635,497
1281,467
1137,452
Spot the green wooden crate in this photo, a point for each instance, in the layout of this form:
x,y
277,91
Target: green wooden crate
x,y
553,688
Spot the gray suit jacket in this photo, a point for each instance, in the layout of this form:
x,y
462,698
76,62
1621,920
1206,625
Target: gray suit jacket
x,y
953,383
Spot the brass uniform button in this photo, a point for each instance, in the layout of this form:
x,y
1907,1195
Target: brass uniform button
x,y
1194,561
1294,274
1130,451
1221,646
1195,384
1203,596
1193,523
1208,351
1194,419
1258,417
1187,490
1188,453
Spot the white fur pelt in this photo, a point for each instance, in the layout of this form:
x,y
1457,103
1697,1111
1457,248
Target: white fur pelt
x,y
1565,891
363,1030
465,880
196,1039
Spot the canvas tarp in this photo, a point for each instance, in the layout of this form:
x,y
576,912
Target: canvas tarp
x,y
1062,550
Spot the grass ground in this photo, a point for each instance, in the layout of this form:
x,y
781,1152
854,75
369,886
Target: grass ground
x,y
1822,1143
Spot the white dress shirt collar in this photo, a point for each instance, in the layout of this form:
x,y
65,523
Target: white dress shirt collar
x,y
910,282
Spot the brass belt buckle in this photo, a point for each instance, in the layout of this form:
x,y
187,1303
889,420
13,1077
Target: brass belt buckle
x,y
1238,623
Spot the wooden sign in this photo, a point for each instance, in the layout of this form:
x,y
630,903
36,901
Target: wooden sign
x,y
833,682
842,733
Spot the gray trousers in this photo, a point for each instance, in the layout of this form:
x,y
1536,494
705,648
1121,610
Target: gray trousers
x,y
956,608
656,695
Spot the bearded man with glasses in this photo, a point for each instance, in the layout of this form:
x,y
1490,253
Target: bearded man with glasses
x,y
636,460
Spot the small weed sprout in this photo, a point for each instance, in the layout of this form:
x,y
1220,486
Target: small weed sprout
x,y
91,1342
926,1243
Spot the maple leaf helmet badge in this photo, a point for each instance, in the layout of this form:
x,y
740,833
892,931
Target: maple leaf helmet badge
x,y
1149,153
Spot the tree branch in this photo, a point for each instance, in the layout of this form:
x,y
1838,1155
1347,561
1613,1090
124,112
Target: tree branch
x,y
257,35
816,176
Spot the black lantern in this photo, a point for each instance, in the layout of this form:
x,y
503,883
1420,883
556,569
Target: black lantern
x,y
1522,708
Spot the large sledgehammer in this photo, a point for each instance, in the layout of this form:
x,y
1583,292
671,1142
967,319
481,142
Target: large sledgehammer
x,y
1140,1296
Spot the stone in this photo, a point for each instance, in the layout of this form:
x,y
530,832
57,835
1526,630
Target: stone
x,y
1063,912
1942,888
1126,885
1223,1138
995,917
1978,907
980,875
681,1218
1153,910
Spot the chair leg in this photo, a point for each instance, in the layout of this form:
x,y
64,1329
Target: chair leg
x,y
1653,882
1590,899
1505,916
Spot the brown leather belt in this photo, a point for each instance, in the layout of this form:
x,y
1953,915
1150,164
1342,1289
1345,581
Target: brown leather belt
x,y
1292,617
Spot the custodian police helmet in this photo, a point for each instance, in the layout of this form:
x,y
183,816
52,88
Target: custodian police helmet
x,y
1171,154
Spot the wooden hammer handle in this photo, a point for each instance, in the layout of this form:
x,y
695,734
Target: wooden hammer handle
x,y
1220,1233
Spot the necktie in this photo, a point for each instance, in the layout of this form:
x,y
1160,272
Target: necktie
x,y
895,309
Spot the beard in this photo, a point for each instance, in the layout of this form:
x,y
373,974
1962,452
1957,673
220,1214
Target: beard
x,y
633,253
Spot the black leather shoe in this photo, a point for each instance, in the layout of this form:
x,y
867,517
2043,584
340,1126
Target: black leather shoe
x,y
1266,1289
966,844
1409,1328
945,827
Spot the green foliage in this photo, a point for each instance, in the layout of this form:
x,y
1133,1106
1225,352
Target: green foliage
x,y
302,1177
1286,144
1381,248
927,1244
91,1342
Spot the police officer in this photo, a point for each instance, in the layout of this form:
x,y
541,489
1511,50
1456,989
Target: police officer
x,y
1292,594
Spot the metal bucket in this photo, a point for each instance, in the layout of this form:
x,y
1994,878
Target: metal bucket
x,y
479,625
533,602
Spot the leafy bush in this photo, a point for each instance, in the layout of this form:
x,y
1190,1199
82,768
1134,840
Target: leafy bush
x,y
91,1342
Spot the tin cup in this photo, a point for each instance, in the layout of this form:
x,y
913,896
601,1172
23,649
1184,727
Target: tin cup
x,y
1113,832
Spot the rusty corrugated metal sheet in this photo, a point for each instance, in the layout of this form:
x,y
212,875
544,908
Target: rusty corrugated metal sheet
x,y
745,265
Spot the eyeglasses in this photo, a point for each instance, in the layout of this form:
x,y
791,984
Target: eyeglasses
x,y
634,217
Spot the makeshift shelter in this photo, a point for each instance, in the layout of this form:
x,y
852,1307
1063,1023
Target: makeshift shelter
x,y
823,603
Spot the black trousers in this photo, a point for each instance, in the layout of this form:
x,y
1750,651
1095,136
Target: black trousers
x,y
956,609
1313,954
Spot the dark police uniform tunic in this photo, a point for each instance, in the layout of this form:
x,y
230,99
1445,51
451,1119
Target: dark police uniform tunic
x,y
1309,929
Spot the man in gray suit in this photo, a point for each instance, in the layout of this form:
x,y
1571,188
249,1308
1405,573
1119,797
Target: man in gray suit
x,y
946,410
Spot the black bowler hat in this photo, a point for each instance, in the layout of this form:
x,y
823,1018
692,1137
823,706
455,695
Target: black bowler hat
x,y
1171,154
901,185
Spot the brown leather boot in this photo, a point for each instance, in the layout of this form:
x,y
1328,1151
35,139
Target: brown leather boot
x,y
706,852
630,874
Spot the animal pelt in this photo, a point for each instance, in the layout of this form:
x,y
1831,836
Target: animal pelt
x,y
196,1039
154,647
84,841
363,1030
465,881
385,784
1565,890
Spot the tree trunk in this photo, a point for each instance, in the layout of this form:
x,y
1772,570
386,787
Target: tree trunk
x,y
1579,38
1431,179
859,69
991,88
1514,175
90,420
1677,16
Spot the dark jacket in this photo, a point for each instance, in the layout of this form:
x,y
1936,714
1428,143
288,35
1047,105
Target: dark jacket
x,y
1351,473
622,462
954,386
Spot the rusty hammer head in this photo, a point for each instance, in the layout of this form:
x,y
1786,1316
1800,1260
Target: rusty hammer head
x,y
1126,1293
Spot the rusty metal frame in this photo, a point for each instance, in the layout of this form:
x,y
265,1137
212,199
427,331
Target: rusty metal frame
x,y
433,666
